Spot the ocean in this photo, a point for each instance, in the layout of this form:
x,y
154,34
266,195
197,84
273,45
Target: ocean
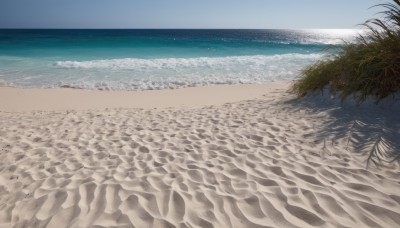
x,y
140,59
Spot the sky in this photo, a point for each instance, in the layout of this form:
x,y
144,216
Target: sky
x,y
239,14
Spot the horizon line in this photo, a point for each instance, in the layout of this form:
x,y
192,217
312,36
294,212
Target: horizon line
x,y
183,28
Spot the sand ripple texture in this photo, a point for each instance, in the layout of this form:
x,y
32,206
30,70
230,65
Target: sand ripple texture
x,y
269,162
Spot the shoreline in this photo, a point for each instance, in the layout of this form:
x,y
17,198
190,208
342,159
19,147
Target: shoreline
x,y
32,99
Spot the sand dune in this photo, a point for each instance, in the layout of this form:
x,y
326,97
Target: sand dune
x,y
266,162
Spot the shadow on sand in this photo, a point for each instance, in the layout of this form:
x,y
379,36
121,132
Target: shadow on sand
x,y
369,129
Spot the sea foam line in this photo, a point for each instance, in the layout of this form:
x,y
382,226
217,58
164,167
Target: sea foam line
x,y
173,63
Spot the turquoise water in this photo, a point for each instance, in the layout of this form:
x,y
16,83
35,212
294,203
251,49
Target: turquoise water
x,y
158,59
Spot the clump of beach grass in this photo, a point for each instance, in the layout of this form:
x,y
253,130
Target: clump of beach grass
x,y
369,66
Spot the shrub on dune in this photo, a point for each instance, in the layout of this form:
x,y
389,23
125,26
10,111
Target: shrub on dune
x,y
369,66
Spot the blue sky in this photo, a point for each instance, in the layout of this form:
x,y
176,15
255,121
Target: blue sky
x,y
290,14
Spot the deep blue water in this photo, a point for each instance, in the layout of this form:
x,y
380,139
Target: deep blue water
x,y
154,59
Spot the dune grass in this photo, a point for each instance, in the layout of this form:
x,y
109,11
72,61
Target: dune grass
x,y
369,66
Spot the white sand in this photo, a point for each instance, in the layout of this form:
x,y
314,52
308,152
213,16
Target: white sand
x,y
14,99
270,161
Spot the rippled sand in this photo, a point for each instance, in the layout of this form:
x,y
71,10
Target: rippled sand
x,y
267,162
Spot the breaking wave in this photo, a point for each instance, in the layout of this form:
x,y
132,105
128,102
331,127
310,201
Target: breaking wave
x,y
177,63
142,74
164,73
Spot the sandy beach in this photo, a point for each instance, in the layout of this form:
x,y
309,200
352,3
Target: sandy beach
x,y
218,156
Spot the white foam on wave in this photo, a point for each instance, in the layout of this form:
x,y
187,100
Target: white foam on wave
x,y
173,63
142,74
166,73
